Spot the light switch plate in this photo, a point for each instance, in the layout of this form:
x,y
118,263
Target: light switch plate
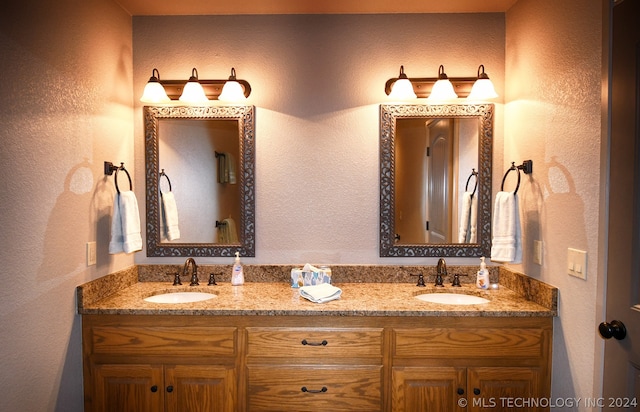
x,y
91,253
537,252
577,263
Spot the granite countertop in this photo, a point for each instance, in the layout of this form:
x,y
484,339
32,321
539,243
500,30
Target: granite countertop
x,y
279,298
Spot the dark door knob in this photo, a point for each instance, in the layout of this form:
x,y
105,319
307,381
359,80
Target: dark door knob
x,y
613,329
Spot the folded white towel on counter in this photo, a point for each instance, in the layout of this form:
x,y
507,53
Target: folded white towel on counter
x,y
170,227
322,293
125,224
506,244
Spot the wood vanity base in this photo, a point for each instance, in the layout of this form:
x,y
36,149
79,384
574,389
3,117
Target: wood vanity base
x,y
315,363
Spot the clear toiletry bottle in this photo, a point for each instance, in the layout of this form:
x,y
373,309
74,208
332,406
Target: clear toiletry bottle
x,y
237,275
482,281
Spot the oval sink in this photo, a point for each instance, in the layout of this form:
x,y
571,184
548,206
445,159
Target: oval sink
x,y
180,297
452,298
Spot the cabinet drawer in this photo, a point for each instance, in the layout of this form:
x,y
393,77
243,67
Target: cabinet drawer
x,y
165,341
314,342
461,342
305,388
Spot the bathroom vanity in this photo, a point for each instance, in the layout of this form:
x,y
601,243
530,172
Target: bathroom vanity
x,y
261,347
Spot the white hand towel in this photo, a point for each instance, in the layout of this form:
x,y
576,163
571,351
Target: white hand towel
x,y
320,293
170,216
125,224
117,240
506,245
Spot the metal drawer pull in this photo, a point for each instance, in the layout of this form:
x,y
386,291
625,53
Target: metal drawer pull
x,y
323,343
324,389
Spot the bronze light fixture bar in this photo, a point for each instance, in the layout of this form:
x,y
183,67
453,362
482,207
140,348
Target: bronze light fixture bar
x,y
422,85
212,88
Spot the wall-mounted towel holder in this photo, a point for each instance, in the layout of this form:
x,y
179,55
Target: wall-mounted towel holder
x,y
163,174
109,168
526,167
220,224
475,187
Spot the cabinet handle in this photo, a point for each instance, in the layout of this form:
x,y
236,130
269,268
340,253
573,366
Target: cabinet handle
x,y
460,391
170,388
154,388
323,343
324,389
476,391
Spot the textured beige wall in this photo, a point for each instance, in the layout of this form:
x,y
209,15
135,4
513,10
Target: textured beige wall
x,y
552,116
317,83
67,106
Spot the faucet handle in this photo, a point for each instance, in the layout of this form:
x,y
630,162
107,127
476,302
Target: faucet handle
x,y
456,279
212,280
420,279
176,279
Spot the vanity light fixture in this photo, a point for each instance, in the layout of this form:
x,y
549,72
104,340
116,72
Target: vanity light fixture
x,y
205,89
442,89
153,91
483,88
429,86
402,88
193,91
232,91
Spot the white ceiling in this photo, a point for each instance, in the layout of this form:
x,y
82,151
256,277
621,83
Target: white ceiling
x,y
222,7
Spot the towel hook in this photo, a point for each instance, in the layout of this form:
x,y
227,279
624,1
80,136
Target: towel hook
x,y
475,187
526,167
109,168
162,173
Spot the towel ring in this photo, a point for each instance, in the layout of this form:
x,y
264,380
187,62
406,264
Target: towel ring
x,y
475,187
526,167
115,178
509,170
162,173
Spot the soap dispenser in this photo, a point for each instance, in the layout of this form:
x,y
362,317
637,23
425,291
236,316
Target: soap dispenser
x,y
482,281
237,275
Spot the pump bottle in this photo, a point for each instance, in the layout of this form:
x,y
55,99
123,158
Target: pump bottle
x,y
237,275
482,280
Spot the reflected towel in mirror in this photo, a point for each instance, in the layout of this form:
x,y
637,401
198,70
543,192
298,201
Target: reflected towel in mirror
x,y
468,219
227,232
226,168
125,224
170,229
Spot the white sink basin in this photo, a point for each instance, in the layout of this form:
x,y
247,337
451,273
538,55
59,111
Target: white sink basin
x,y
180,297
452,298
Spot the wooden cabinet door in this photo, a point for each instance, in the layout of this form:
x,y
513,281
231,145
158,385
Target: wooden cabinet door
x,y
126,388
505,389
416,389
196,388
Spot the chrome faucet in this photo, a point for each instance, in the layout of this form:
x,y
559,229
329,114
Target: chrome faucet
x,y
441,270
194,271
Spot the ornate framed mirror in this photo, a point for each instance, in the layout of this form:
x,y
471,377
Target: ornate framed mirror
x,y
435,180
205,157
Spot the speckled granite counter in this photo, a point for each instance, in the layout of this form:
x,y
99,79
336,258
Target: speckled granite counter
x,y
123,293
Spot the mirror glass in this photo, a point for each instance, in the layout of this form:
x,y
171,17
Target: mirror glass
x,y
200,165
435,180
